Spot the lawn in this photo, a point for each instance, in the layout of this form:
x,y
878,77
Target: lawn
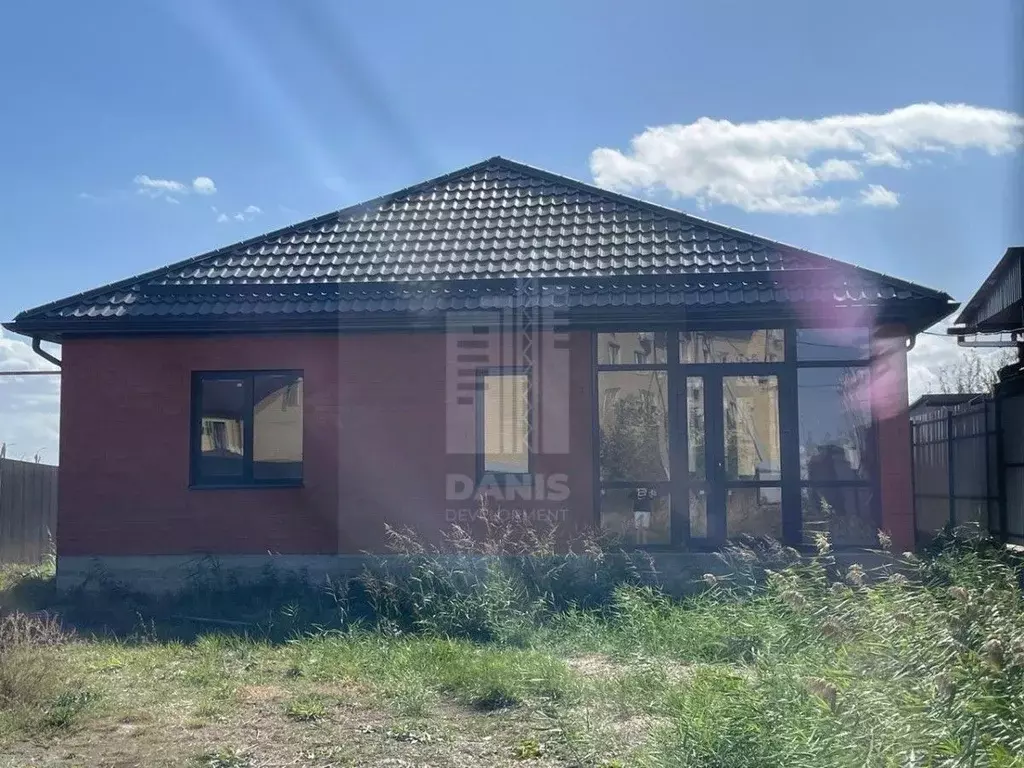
x,y
788,664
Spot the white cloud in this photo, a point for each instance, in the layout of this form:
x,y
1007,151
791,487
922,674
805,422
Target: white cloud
x,y
158,187
878,196
29,405
248,213
779,165
204,185
835,169
172,190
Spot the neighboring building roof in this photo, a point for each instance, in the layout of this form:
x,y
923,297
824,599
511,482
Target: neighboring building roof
x,y
997,306
944,400
484,236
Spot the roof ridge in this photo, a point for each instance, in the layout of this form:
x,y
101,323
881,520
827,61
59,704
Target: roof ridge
x,y
708,223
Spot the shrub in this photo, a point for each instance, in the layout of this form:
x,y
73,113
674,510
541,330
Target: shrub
x,y
497,588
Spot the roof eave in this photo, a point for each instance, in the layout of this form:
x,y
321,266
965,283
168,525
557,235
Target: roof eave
x,y
914,314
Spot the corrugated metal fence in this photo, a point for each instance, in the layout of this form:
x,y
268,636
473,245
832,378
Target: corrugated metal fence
x,y
28,510
969,467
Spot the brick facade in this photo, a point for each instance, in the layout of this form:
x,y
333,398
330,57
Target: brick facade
x,y
374,446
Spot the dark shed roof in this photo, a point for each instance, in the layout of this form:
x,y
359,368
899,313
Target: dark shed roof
x,y
942,400
997,305
483,237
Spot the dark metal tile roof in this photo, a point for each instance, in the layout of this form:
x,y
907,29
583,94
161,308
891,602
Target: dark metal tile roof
x,y
468,240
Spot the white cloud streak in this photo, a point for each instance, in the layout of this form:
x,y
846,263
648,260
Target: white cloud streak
x,y
170,189
147,185
779,166
877,196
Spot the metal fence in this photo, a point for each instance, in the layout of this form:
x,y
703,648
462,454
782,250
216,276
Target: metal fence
x,y
969,467
28,510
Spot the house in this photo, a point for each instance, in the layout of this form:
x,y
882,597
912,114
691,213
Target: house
x,y
994,317
498,335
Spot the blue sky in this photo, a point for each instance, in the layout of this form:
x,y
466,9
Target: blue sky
x,y
285,110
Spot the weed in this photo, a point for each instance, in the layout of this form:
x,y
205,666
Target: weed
x,y
66,707
224,758
305,710
528,749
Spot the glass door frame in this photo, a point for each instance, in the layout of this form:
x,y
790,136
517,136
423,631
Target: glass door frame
x,y
678,482
715,484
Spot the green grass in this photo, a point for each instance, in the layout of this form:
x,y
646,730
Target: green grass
x,y
813,667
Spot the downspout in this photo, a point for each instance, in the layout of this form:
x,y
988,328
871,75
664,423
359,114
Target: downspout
x,y
38,349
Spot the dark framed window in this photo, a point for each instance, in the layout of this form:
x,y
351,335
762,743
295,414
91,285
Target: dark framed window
x,y
633,433
837,436
504,423
246,428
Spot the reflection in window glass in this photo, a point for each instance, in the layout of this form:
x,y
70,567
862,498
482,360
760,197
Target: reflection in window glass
x,y
638,515
698,513
222,436
845,514
634,425
754,511
751,417
760,346
833,344
836,435
277,426
695,430
633,347
506,423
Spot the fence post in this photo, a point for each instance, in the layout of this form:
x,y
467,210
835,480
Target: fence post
x,y
1004,516
913,479
950,461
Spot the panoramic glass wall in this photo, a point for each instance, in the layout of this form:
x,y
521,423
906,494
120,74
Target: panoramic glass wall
x,y
707,435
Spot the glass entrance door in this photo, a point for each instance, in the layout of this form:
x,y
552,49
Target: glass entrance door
x,y
733,461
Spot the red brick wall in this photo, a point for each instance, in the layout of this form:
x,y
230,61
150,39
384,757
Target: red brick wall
x,y
374,446
892,412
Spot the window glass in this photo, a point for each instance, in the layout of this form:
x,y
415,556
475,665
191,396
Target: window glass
x,y
638,515
634,425
750,407
760,346
754,512
846,514
695,430
632,348
833,344
698,513
277,426
247,428
506,423
222,427
836,435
